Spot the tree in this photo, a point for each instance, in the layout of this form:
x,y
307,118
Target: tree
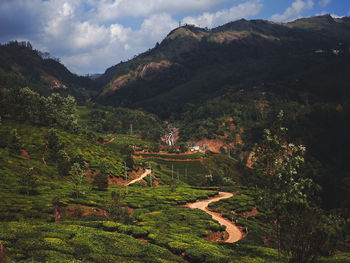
x,y
100,181
183,147
278,163
77,177
129,161
54,143
106,169
116,209
155,147
63,163
57,203
30,181
14,144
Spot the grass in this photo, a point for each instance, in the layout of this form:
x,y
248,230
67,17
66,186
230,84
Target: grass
x,y
239,203
42,242
28,233
339,258
191,172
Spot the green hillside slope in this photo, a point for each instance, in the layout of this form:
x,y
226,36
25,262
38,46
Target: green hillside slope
x,y
21,65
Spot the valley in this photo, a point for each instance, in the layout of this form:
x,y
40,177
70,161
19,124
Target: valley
x,y
217,145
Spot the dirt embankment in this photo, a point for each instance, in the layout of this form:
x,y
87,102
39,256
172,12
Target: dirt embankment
x,y
146,72
169,159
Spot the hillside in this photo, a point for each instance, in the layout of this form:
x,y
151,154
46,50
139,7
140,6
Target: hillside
x,y
21,65
222,87
257,114
192,65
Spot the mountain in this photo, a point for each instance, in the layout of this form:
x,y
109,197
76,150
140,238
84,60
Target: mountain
x,y
192,65
89,183
21,65
223,87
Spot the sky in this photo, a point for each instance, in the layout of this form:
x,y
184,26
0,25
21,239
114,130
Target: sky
x,y
90,36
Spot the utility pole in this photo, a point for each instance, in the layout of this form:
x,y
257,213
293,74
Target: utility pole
x,y
150,174
131,129
126,177
172,171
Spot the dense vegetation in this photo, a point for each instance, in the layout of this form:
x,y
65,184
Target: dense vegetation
x,y
64,167
242,74
21,65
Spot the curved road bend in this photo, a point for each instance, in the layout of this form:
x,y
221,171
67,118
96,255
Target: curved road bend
x,y
234,234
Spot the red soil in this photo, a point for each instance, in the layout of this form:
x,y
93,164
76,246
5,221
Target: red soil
x,y
216,236
88,172
2,254
169,159
25,154
250,160
115,180
82,210
142,239
43,157
111,140
254,212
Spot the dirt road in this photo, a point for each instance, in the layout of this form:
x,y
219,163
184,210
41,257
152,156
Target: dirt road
x,y
147,172
234,234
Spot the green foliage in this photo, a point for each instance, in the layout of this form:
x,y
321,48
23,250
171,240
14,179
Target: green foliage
x,y
30,181
25,104
43,242
100,181
123,121
191,172
116,207
197,155
279,162
239,203
77,177
304,237
226,171
63,163
21,65
14,144
55,145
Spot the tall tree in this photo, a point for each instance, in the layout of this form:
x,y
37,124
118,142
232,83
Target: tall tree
x,y
100,181
14,144
30,181
54,143
77,177
63,163
116,207
278,163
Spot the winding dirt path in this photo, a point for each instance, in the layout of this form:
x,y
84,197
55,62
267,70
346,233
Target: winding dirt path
x,y
147,172
234,234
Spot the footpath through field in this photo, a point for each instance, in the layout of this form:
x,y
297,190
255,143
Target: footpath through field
x,y
234,234
147,172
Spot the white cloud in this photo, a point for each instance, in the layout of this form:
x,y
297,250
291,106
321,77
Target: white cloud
x,y
243,10
294,11
77,31
324,3
100,47
108,10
